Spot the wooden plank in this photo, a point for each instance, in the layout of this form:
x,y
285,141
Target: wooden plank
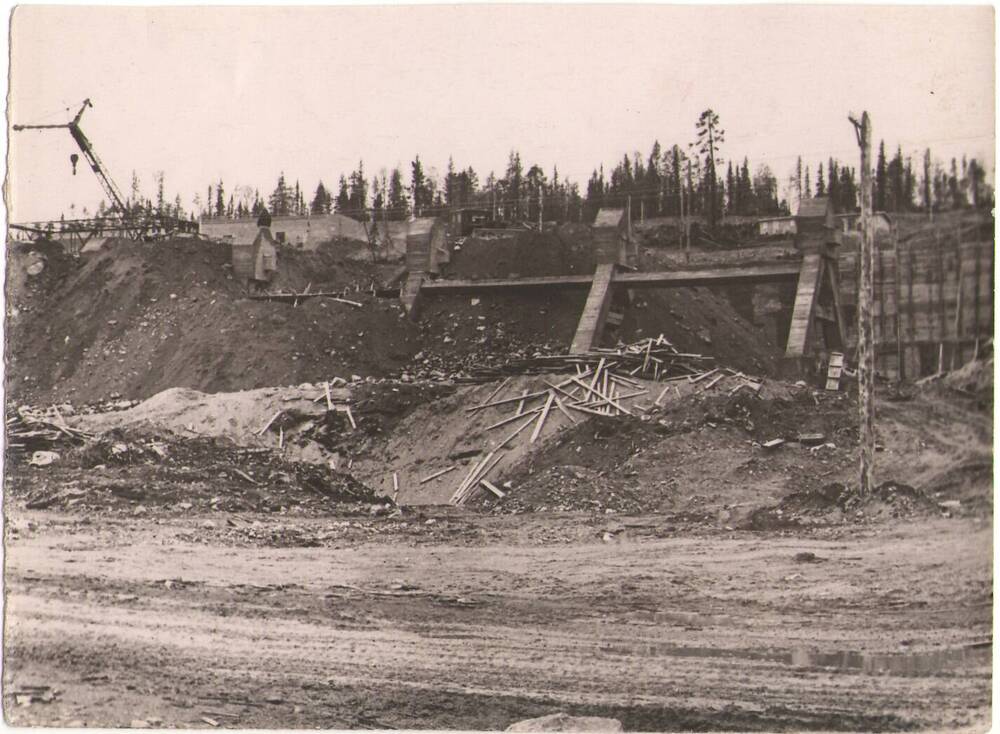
x,y
437,474
562,408
512,436
268,424
595,310
495,392
703,375
468,478
491,487
511,419
505,401
541,419
708,386
802,311
520,405
758,273
486,285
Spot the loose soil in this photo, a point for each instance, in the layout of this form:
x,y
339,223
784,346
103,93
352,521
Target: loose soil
x,y
229,553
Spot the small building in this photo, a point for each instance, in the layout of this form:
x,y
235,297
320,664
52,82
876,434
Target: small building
x,y
851,222
257,260
466,219
776,227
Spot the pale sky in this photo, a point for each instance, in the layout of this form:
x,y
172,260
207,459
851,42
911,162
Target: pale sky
x,y
243,93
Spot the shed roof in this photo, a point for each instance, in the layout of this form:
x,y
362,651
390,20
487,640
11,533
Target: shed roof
x,y
609,217
815,207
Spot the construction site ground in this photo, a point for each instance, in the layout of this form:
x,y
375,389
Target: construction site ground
x,y
216,545
194,600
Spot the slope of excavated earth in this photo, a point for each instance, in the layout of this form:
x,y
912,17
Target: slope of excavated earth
x,y
133,319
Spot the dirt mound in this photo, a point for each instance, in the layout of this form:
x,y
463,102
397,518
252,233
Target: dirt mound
x,y
136,318
974,378
32,269
134,473
836,502
565,251
700,455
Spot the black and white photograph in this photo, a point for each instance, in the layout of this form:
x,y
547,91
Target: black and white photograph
x,y
499,367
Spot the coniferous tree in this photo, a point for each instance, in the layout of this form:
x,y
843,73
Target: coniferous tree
x,y
220,201
710,136
160,203
343,202
833,185
953,189
881,179
397,196
418,186
820,182
928,202
321,201
731,189
358,198
513,184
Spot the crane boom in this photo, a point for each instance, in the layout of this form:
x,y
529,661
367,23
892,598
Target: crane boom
x,y
107,183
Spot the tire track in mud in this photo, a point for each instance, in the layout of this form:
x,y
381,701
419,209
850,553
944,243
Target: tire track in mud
x,y
598,628
523,663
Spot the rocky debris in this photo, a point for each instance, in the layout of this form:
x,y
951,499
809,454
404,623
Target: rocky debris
x,y
26,695
837,503
29,431
134,474
567,723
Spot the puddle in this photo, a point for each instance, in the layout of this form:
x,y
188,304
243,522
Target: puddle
x,y
925,662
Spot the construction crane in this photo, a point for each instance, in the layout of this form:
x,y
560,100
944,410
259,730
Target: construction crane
x,y
107,183
141,226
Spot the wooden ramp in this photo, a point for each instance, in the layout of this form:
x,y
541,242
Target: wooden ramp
x,y
595,310
409,294
817,298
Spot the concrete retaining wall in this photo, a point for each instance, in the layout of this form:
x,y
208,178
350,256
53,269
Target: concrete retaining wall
x,y
304,232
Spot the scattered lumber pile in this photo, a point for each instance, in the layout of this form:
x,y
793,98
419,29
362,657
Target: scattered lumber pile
x,y
29,431
603,383
294,298
651,358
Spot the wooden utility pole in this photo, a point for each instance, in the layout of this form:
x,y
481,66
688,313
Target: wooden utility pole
x,y
866,354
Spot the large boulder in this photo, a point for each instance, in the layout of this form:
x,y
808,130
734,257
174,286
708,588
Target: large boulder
x,y
565,722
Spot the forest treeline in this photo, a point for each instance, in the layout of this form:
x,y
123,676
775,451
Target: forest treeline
x,y
692,180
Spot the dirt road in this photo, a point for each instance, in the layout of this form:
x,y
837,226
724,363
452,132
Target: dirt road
x,y
459,621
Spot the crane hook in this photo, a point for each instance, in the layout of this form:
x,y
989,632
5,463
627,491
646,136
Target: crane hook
x,y
73,159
